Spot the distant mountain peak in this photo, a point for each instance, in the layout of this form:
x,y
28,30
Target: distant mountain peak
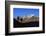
x,y
30,15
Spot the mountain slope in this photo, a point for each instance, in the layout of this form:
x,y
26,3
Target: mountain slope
x,y
28,19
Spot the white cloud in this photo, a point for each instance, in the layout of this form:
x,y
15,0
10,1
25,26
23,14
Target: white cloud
x,y
30,15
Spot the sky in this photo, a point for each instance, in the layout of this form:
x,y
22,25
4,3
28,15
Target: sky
x,y
25,11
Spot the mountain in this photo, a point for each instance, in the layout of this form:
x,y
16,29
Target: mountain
x,y
26,19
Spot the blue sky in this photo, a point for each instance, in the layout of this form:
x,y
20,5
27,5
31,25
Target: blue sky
x,y
25,11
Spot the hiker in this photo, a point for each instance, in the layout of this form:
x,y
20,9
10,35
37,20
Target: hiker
x,y
18,18
21,19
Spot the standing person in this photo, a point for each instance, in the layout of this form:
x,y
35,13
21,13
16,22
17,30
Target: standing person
x,y
21,19
18,18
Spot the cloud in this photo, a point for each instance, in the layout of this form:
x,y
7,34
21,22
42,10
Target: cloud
x,y
30,15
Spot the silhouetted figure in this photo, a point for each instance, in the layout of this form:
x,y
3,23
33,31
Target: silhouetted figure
x,y
21,19
18,18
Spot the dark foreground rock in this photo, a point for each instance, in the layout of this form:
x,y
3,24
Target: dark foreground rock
x,y
30,24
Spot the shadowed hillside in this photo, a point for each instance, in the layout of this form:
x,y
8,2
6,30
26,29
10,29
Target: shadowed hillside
x,y
29,24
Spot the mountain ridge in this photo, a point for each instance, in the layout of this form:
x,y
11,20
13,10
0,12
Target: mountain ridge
x,y
28,19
